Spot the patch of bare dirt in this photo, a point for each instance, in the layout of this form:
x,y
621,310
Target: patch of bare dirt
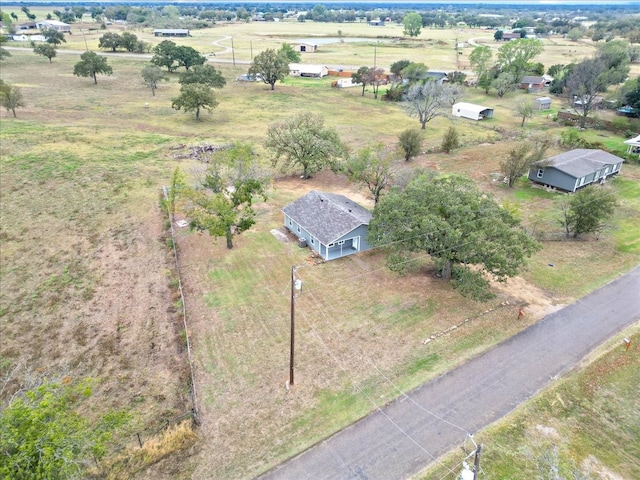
x,y
121,330
535,302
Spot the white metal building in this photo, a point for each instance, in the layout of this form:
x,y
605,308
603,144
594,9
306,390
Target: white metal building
x,y
307,70
471,110
53,25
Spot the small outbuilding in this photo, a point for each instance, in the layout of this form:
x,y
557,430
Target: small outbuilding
x,y
308,70
633,145
332,225
471,110
542,103
575,169
171,32
307,47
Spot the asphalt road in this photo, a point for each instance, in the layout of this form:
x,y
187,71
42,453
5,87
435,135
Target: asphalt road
x,y
403,438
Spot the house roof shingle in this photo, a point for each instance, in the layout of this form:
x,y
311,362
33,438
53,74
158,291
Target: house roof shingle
x,y
581,162
532,79
327,216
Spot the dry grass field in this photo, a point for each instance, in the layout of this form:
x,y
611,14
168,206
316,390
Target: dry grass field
x,y
87,279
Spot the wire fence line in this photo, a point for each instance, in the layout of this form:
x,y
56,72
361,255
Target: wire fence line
x,y
193,391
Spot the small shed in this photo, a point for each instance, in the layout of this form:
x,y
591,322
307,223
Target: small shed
x,y
307,47
171,32
332,225
308,70
633,145
542,103
345,83
471,110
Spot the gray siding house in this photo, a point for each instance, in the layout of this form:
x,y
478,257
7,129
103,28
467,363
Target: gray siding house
x,y
331,224
572,170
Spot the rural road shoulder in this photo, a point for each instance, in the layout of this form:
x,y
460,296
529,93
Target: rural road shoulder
x,y
403,438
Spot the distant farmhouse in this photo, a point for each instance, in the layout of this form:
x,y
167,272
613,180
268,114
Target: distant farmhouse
x,y
575,169
532,83
307,47
171,32
332,225
506,36
53,25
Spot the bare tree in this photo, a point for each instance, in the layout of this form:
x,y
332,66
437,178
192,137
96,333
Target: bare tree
x,y
524,109
375,77
587,80
425,101
455,92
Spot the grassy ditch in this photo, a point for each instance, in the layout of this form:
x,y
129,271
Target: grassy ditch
x,y
571,426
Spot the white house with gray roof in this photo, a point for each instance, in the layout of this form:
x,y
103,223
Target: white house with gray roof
x,y
572,170
332,225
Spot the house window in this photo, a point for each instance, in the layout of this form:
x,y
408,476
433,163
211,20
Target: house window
x,y
298,229
313,242
540,172
331,245
303,48
341,242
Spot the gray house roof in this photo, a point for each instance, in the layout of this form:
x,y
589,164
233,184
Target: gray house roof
x,y
532,79
327,216
581,162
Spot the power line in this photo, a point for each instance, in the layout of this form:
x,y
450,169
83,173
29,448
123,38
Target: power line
x,y
375,405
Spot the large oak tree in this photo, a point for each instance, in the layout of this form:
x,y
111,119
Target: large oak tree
x,y
90,65
455,223
303,140
271,66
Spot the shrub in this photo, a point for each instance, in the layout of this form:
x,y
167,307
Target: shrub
x,y
451,140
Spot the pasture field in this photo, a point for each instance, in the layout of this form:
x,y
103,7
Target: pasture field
x,y
87,280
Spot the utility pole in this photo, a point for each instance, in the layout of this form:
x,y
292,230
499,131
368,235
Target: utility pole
x,y
293,324
233,53
476,463
375,53
296,285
